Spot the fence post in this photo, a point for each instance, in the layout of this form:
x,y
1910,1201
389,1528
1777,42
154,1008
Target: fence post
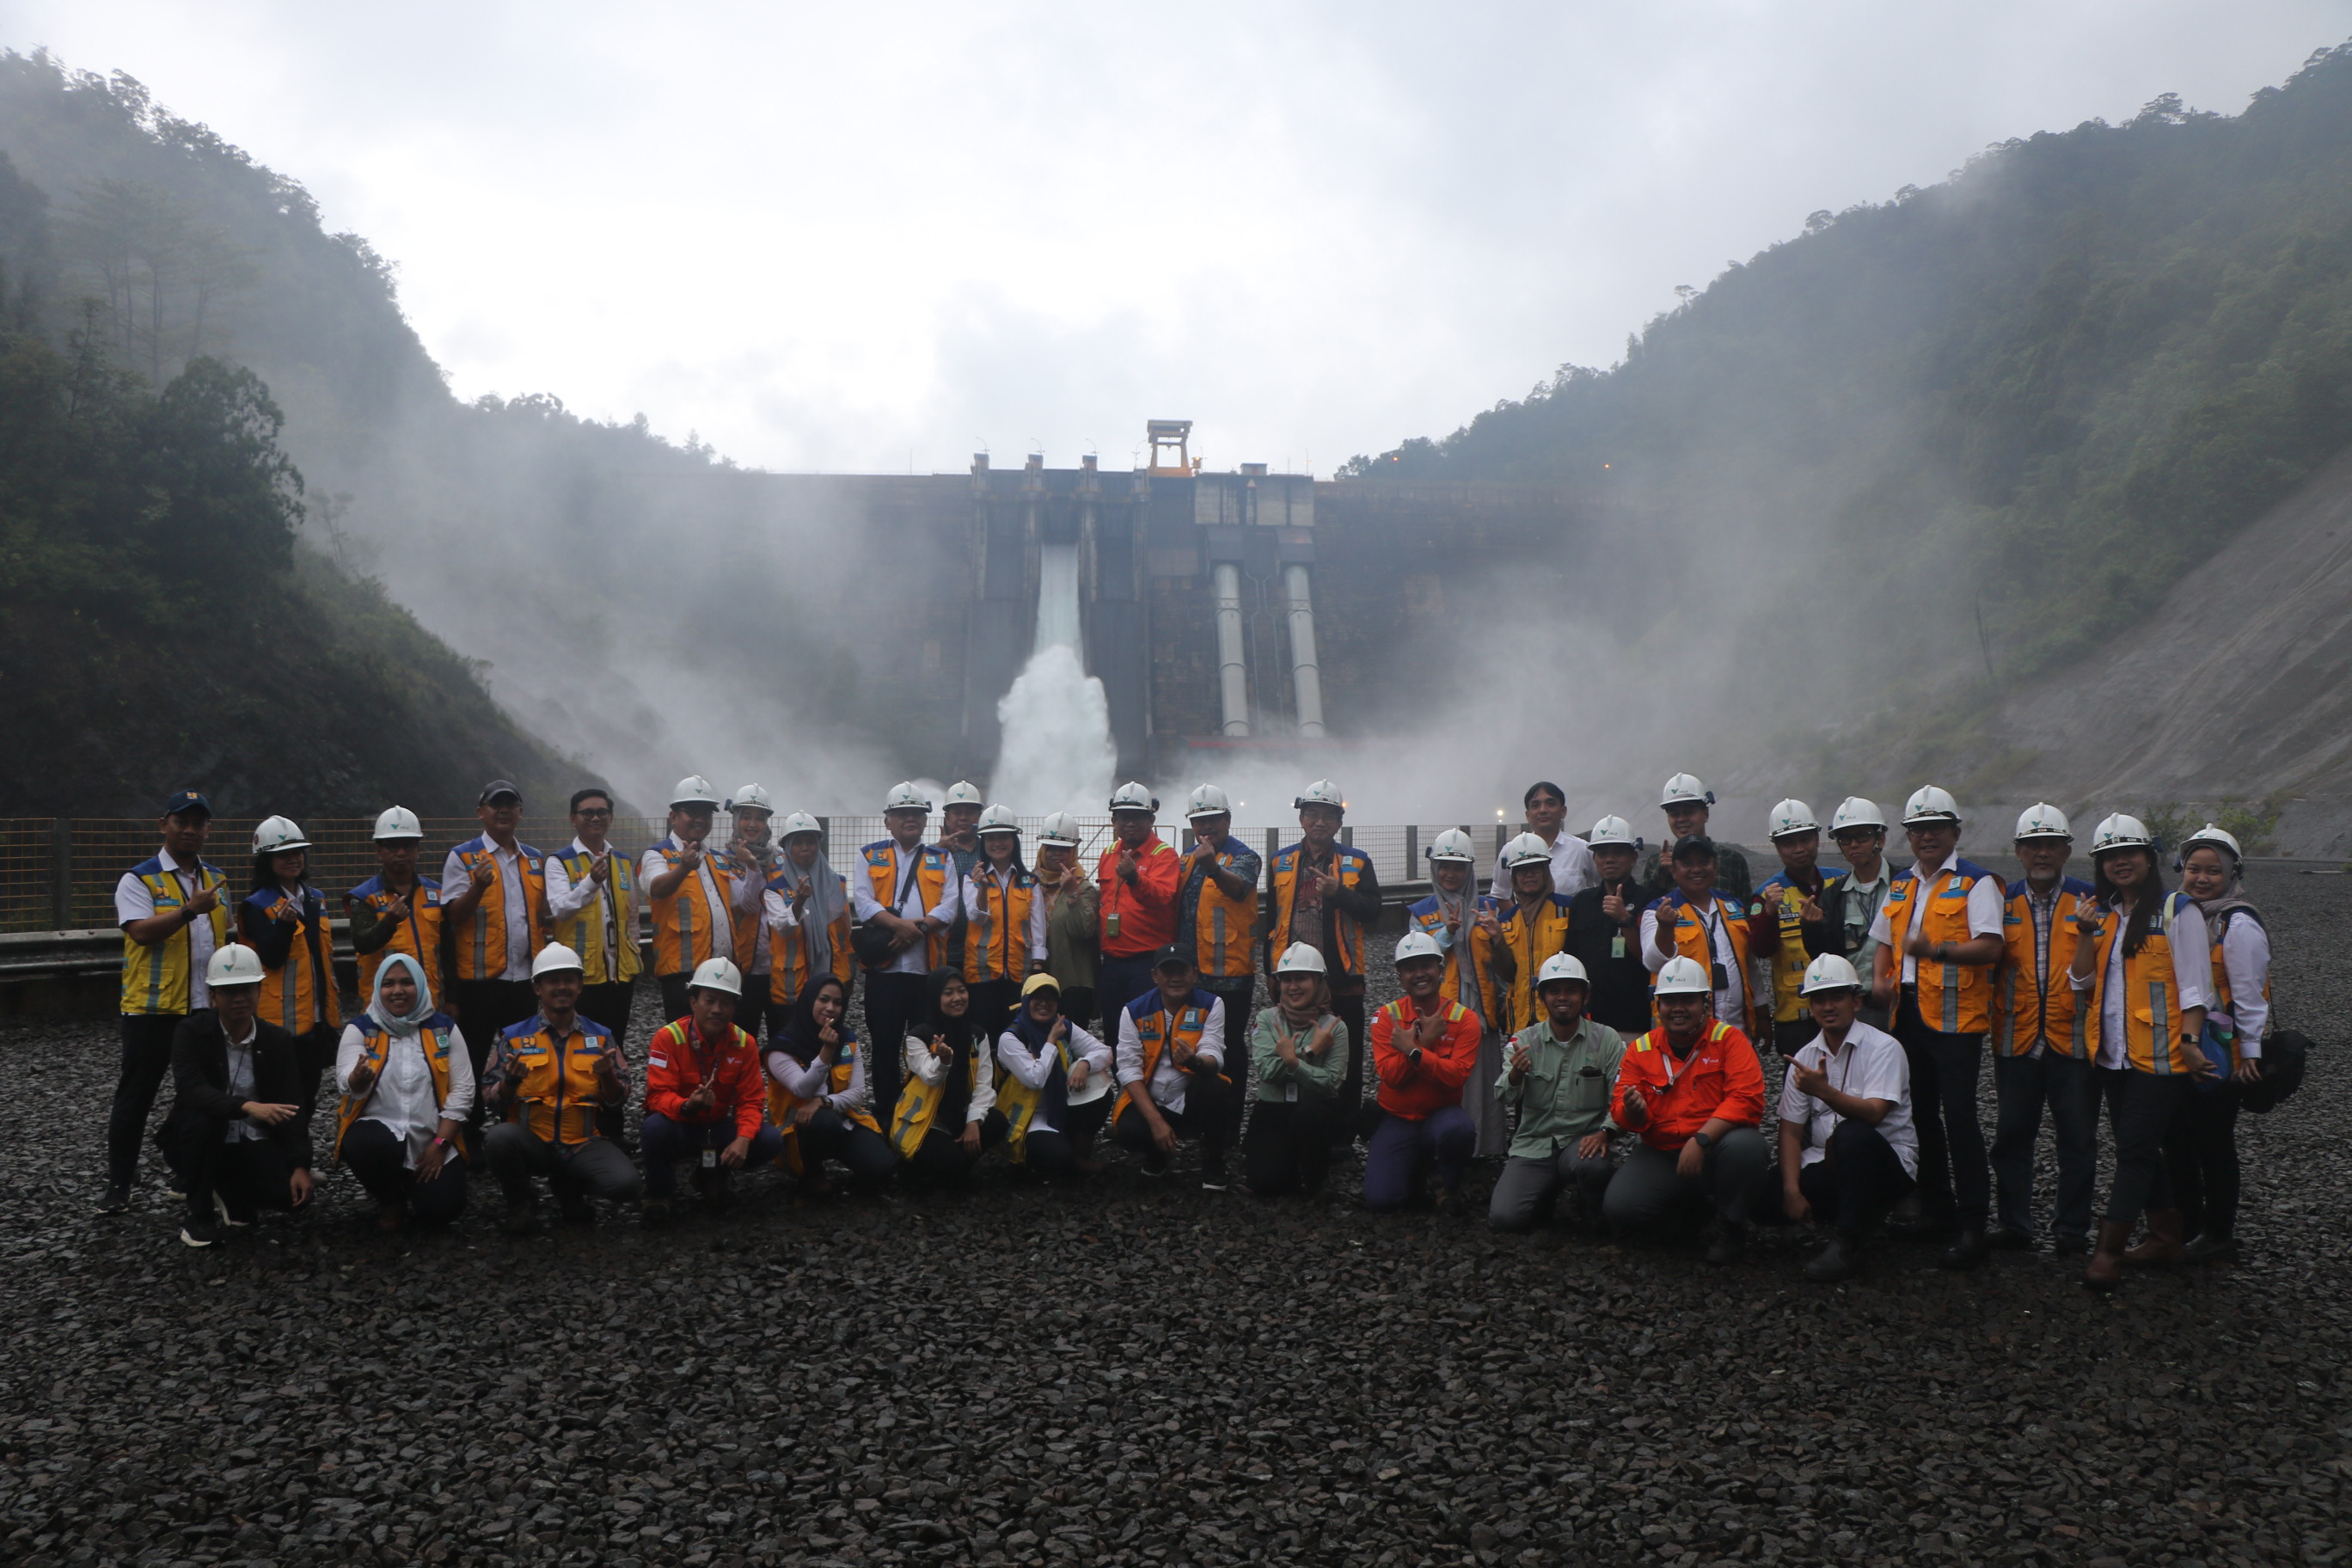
x,y
1412,848
1272,842
1500,835
61,873
1347,836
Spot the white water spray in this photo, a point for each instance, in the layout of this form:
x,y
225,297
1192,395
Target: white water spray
x,y
1056,754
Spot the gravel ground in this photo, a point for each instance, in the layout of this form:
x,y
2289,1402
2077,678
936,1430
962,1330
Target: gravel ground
x,y
1154,1375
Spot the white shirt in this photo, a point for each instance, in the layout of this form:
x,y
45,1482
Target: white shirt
x,y
2246,961
1987,897
565,900
402,1098
2192,971
241,1130
1573,869
1871,1065
454,883
810,1082
1168,1079
915,960
1034,1068
719,912
1731,997
134,901
921,1064
964,897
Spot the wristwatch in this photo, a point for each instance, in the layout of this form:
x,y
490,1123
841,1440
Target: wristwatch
x,y
1702,1140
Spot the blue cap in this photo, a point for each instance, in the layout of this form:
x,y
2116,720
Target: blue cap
x,y
187,800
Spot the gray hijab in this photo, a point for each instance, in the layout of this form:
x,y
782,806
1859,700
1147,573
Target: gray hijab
x,y
826,904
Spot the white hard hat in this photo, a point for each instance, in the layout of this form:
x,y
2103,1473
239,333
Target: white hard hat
x,y
1790,818
1854,811
1322,792
1417,944
235,964
2120,831
999,819
1681,976
1614,830
1060,828
1828,973
1133,796
904,797
1562,966
1301,958
275,834
397,822
1928,804
963,793
798,822
2221,837
717,975
2045,821
1684,789
693,790
1453,844
554,959
752,796
1527,850
1207,800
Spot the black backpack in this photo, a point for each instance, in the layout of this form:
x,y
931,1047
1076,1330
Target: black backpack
x,y
2283,1062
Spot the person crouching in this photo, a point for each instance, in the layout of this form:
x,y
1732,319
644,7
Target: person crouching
x,y
1848,1151
235,1132
545,1081
705,1098
408,1088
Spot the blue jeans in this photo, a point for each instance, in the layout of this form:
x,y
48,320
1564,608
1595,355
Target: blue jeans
x,y
664,1142
1399,1146
2070,1089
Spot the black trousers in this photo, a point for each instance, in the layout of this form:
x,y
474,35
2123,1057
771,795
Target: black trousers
x,y
993,1001
941,1159
374,1153
250,1174
146,1062
486,1009
314,1053
1289,1145
891,999
2069,1086
1239,994
830,1135
673,996
1955,1174
610,1004
1078,1006
1055,1154
752,1007
1203,1119
2200,1156
1348,1009
2141,1108
1857,1181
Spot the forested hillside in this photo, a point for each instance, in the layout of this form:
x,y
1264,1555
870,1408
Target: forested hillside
x,y
2018,406
160,625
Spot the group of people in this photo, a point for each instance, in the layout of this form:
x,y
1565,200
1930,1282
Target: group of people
x,y
1601,1027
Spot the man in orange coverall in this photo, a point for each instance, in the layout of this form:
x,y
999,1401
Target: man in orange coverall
x,y
1424,1050
704,1097
1694,1091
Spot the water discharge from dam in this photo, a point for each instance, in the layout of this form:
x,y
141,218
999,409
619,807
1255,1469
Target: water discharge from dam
x,y
1057,754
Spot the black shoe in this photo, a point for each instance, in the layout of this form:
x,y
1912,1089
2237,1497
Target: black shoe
x,y
2007,1240
1213,1173
1968,1250
1841,1259
2211,1247
656,1214
1155,1163
116,1199
1454,1205
1730,1244
2067,1246
521,1217
203,1231
577,1211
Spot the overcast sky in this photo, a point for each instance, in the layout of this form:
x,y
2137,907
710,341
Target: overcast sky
x,y
873,237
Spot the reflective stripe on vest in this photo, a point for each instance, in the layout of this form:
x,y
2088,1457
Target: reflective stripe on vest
x,y
1224,930
157,980
375,1050
477,958
583,930
1350,864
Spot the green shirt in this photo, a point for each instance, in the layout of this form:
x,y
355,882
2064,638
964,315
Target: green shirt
x,y
1070,936
1310,1080
1565,1095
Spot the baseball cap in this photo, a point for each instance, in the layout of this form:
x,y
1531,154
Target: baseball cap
x,y
1167,957
497,787
185,800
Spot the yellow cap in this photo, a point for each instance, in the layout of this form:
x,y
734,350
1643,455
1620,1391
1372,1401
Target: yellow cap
x,y
1039,983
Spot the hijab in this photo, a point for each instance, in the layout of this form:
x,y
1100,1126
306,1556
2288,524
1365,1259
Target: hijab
x,y
826,904
1295,1023
1461,907
959,1031
799,1037
401,1025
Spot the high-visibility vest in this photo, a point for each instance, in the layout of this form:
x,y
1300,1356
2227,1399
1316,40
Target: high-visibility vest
x,y
1530,937
583,930
996,945
1350,864
2151,1003
155,980
783,1102
482,947
1787,902
419,935
932,873
1954,998
434,1036
1158,1031
683,918
2224,999
789,950
2026,1007
295,996
559,1095
1224,930
1692,942
920,1102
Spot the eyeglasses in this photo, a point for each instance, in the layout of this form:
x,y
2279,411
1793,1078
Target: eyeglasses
x,y
594,811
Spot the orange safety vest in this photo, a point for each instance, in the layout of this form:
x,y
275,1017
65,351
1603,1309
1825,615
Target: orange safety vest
x,y
558,1096
2025,1009
1350,864
1224,930
783,1102
930,886
1529,939
2151,1007
1954,998
419,935
482,951
684,919
789,950
996,945
1691,941
376,1047
1156,1033
295,996
2224,999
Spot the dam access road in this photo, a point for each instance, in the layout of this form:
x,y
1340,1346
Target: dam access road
x,y
1154,1375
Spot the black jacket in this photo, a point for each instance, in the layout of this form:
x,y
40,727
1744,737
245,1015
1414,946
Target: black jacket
x,y
1621,986
200,1077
